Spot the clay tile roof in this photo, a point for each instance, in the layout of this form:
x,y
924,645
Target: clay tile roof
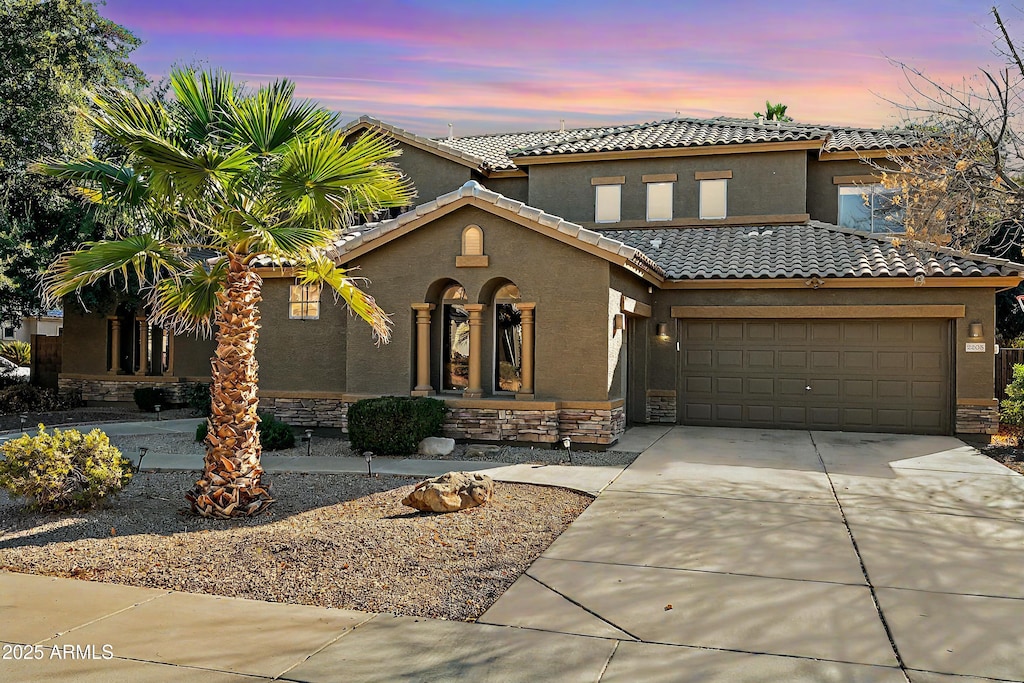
x,y
498,151
809,250
363,234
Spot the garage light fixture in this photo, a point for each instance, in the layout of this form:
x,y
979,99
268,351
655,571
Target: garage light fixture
x,y
975,330
662,330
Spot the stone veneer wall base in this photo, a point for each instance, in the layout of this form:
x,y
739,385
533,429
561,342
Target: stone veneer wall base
x,y
977,419
122,389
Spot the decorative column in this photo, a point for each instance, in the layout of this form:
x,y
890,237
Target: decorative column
x,y
143,346
476,331
526,389
115,345
169,336
423,386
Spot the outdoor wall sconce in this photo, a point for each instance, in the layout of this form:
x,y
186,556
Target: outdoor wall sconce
x,y
618,322
975,330
662,330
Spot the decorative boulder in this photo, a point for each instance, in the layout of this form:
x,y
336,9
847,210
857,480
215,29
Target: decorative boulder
x,y
451,492
436,445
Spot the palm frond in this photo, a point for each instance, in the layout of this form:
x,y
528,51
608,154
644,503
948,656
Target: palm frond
x,y
286,240
329,181
99,181
187,304
270,119
202,104
321,270
121,115
143,255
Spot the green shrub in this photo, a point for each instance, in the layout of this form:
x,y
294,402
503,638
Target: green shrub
x,y
1011,410
27,398
274,434
63,470
18,352
147,398
394,425
197,396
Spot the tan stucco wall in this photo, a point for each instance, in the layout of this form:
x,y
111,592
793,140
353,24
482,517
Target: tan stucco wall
x,y
514,188
762,184
431,174
84,349
974,371
301,355
192,356
570,288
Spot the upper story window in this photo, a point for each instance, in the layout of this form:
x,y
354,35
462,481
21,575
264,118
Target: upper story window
x,y
608,203
713,198
870,208
304,302
659,201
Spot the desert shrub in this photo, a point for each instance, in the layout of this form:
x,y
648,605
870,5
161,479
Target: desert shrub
x,y
147,398
394,425
275,435
18,352
63,470
197,396
27,398
1011,410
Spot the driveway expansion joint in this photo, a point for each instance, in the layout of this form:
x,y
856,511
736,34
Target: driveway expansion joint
x,y
863,567
584,608
61,634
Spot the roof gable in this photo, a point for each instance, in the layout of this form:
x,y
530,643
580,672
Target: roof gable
x,y
371,236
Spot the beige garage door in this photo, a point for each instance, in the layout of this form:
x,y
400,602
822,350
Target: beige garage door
x,y
851,375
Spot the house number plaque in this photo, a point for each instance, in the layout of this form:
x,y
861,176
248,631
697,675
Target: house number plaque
x,y
975,347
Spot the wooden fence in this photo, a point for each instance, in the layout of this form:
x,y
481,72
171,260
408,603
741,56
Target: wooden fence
x,y
1005,360
46,360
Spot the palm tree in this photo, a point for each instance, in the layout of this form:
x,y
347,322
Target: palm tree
x,y
211,181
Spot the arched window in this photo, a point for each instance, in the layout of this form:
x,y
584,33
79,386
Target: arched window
x,y
472,241
455,340
508,340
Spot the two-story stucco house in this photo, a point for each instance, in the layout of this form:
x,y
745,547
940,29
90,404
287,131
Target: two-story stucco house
x,y
568,283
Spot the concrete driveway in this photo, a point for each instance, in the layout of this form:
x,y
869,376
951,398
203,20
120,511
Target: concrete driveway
x,y
728,554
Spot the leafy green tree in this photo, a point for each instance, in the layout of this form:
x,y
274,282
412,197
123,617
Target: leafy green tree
x,y
51,52
217,181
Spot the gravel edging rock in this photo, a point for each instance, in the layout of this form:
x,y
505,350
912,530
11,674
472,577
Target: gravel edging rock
x,y
341,541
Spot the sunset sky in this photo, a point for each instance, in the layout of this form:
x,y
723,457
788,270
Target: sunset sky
x,y
524,65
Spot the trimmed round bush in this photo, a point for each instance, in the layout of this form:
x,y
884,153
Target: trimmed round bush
x,y
63,470
394,425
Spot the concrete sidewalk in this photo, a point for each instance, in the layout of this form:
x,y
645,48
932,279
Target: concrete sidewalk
x,y
719,555
591,480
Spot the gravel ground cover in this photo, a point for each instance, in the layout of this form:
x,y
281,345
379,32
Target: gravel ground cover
x,y
342,541
87,415
1006,449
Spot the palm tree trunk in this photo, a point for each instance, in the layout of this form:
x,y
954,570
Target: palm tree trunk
x,y
231,485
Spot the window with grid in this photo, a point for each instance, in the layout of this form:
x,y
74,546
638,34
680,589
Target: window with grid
x,y
304,302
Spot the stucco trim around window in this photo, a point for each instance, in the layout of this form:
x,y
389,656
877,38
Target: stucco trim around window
x,y
660,178
712,175
609,180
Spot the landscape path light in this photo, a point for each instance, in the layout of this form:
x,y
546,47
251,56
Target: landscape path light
x,y
308,438
142,454
566,443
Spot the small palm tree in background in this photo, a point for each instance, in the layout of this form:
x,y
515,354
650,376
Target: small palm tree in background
x,y
211,181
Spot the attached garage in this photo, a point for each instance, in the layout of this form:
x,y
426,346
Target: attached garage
x,y
884,375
